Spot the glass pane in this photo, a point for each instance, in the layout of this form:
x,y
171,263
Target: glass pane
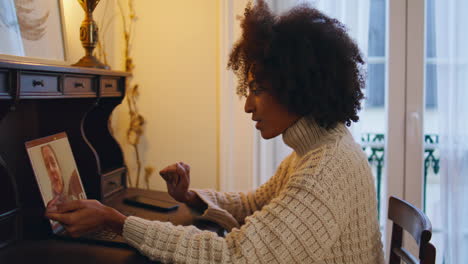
x,y
375,90
432,202
377,28
431,84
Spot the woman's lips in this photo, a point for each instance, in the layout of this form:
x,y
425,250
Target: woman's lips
x,y
257,125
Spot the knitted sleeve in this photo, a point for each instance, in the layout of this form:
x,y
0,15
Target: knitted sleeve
x,y
298,226
229,209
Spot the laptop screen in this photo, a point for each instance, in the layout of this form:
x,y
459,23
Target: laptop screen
x,y
55,169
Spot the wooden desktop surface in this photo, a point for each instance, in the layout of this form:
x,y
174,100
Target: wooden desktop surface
x,y
56,251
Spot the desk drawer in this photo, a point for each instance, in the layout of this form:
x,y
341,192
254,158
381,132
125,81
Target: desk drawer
x,y
110,87
39,85
113,182
8,228
3,83
78,85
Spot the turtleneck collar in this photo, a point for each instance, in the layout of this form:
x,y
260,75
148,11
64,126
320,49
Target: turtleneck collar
x,y
306,134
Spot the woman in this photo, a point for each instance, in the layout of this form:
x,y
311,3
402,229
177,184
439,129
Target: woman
x,y
300,73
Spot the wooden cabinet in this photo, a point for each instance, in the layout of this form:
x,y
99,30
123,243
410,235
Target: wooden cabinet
x,y
37,100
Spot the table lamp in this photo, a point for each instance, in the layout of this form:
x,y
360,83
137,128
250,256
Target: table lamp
x,y
89,36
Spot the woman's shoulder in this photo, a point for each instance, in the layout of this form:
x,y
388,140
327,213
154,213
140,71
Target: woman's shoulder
x,y
315,157
287,162
332,154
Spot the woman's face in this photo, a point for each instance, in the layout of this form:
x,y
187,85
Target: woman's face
x,y
272,117
53,169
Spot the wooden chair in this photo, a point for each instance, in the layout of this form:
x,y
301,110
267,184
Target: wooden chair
x,y
407,217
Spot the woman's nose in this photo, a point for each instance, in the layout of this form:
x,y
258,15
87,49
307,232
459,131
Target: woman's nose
x,y
248,107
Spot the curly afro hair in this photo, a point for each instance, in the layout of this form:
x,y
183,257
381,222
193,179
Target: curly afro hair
x,y
305,59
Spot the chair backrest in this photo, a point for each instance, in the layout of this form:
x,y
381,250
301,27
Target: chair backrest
x,y
409,218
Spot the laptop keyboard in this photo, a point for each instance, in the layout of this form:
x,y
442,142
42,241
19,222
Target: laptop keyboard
x,y
126,213
106,234
103,234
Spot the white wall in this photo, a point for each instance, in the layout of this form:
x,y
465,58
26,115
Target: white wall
x,y
176,56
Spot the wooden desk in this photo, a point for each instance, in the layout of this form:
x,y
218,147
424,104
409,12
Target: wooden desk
x,y
182,216
65,252
38,100
55,251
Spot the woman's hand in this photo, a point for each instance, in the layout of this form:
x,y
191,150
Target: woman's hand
x,y
84,216
177,177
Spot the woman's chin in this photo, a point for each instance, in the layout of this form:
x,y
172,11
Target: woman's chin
x,y
267,134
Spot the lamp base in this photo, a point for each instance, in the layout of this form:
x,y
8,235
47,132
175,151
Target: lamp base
x,y
91,62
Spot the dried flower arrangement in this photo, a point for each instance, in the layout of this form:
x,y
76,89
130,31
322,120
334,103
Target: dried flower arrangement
x,y
137,121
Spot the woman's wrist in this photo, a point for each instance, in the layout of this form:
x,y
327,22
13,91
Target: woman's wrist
x,y
194,201
115,220
189,197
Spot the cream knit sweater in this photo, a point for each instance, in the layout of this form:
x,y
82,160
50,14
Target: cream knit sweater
x,y
319,207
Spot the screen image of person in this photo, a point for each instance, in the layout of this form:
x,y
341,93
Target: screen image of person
x,y
60,194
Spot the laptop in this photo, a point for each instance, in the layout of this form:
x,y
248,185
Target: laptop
x,y
58,179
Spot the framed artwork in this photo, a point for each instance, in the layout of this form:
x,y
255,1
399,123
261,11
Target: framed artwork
x,y
33,29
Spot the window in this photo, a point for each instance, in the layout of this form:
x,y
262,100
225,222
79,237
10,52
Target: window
x,y
376,56
416,78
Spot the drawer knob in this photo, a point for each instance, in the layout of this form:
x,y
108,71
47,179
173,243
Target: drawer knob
x,y
112,183
79,85
38,83
108,85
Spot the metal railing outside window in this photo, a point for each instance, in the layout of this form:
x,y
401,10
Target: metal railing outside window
x,y
373,144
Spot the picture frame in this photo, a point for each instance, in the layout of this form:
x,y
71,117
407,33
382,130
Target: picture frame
x,y
33,30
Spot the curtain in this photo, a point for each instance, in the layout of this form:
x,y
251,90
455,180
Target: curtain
x,y
11,42
451,23
355,16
